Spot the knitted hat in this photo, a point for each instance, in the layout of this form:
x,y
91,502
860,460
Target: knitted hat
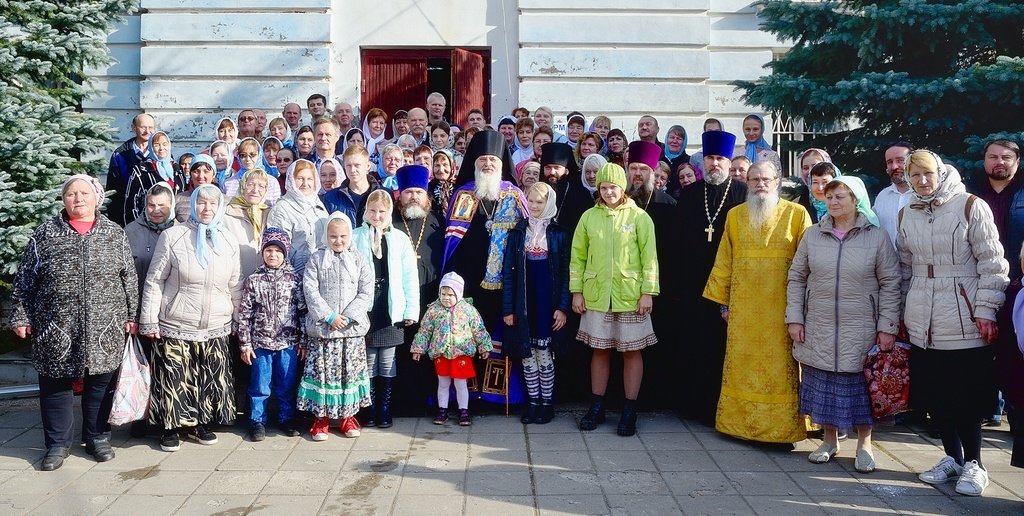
x,y
644,152
276,236
612,173
455,282
412,176
718,143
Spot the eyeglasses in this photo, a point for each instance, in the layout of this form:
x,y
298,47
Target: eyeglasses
x,y
247,118
284,160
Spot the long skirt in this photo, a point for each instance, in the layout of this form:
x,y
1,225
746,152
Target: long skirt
x,y
192,383
335,383
835,399
622,331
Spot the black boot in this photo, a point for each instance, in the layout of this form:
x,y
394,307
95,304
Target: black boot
x,y
530,414
627,423
595,415
370,413
384,402
546,413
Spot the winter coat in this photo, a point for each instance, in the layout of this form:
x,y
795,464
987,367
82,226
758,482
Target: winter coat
x,y
449,333
843,292
142,240
337,283
340,199
304,223
181,299
403,278
248,241
514,302
952,266
122,162
614,258
76,292
272,308
140,179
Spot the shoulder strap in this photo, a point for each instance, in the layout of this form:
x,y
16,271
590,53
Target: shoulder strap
x,y
968,205
899,219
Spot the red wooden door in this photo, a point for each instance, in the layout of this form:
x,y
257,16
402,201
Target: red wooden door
x,y
393,81
469,84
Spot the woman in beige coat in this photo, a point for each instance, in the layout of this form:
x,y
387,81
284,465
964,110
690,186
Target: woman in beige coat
x,y
247,215
954,274
843,296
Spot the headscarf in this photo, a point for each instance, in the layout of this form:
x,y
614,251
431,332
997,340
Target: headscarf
x,y
371,142
344,143
292,191
800,160
327,259
253,212
752,148
682,150
271,169
338,169
208,231
860,192
259,152
821,207
162,187
101,194
234,130
378,233
221,175
949,180
536,230
164,167
601,161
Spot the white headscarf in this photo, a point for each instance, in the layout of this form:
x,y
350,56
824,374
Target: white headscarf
x,y
378,233
293,192
536,230
328,252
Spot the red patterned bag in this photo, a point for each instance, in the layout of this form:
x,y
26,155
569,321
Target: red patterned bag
x,y
888,378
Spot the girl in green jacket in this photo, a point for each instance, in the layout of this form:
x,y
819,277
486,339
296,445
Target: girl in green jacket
x,y
613,273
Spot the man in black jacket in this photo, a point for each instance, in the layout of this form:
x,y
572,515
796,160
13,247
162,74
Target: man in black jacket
x,y
125,158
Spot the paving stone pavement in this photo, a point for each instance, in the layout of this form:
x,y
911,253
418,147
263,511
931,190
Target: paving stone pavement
x,y
495,467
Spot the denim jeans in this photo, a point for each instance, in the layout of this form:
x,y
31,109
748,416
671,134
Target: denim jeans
x,y
273,372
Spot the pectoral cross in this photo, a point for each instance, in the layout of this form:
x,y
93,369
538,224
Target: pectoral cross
x,y
710,230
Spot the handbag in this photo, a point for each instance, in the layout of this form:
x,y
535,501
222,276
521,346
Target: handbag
x,y
131,398
888,378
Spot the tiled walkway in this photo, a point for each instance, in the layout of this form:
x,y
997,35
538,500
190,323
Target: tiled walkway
x,y
496,467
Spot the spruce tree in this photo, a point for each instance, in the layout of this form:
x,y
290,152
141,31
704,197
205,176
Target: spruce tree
x,y
45,48
943,75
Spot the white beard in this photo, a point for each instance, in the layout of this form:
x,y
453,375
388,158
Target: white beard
x,y
488,185
761,209
716,178
414,212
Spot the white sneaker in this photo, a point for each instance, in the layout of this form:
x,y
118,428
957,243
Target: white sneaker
x,y
947,469
973,479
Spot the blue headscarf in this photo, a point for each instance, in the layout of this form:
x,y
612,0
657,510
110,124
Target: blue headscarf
x,y
208,231
821,207
221,175
165,167
752,148
682,150
271,169
860,192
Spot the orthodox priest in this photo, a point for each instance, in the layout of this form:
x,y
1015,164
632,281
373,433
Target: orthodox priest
x,y
484,207
759,399
559,169
693,244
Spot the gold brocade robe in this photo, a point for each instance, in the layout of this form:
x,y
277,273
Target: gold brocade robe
x,y
760,379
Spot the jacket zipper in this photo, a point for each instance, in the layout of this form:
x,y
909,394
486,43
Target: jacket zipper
x,y
835,356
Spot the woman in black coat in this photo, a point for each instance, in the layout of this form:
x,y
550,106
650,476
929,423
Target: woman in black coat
x,y
536,275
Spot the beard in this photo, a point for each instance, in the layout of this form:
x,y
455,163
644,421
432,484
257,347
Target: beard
x,y
1000,174
898,178
761,208
414,211
716,177
643,190
488,185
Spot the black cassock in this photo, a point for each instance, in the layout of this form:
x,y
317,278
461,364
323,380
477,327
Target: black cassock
x,y
659,370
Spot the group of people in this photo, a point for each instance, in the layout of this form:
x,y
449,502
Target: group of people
x,y
497,259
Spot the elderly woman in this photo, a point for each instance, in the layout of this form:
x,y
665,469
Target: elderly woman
x,y
591,165
442,183
954,274
158,166
250,156
247,211
75,293
300,213
391,159
202,171
850,265
304,142
374,126
188,302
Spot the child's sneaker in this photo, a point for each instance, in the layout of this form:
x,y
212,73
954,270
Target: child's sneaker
x,y
258,432
318,432
441,417
350,427
464,418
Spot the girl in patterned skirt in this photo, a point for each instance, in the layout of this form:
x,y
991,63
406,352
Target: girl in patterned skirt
x,y
338,284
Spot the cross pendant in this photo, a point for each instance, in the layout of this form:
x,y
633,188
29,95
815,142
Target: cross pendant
x,y
417,256
710,230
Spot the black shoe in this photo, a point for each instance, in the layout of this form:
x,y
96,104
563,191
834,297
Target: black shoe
x,y
546,413
288,429
384,391
100,450
169,442
595,415
258,432
139,429
54,458
369,414
530,414
202,435
627,422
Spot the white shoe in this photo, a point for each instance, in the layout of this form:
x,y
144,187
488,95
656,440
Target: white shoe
x,y
945,470
823,454
973,479
865,462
